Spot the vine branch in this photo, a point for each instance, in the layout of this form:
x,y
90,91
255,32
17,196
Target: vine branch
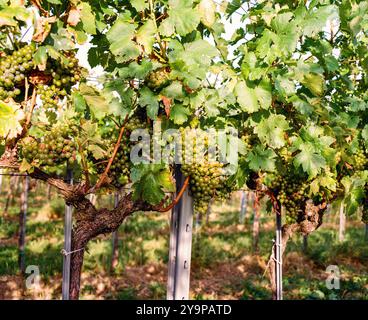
x,y
177,198
109,164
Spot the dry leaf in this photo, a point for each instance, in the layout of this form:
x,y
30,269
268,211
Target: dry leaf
x,y
43,28
188,90
37,4
74,16
167,103
37,77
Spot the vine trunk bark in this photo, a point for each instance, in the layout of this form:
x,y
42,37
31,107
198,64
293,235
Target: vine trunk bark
x,y
310,221
91,223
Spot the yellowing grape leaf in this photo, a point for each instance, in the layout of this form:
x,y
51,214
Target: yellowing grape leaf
x,y
10,117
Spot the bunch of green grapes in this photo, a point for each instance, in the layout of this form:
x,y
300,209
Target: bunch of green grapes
x,y
291,191
119,173
207,179
13,71
53,149
158,78
64,77
135,123
247,139
108,132
360,159
286,155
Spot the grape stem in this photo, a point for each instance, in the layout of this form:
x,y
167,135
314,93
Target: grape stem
x,y
177,199
158,37
85,168
117,145
33,103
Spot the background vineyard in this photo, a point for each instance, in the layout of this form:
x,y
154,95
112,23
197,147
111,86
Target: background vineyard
x,y
224,263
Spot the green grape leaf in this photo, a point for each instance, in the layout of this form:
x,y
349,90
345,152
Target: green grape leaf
x,y
146,35
179,113
135,70
55,1
284,86
311,162
97,152
261,158
10,14
365,135
174,91
326,181
87,17
264,94
62,40
315,83
165,180
40,58
207,10
354,200
150,181
271,130
331,63
139,5
120,37
149,100
182,17
96,102
78,102
246,97
314,20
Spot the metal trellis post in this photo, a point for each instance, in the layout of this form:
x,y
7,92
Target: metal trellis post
x,y
180,245
243,207
22,225
278,255
342,223
67,243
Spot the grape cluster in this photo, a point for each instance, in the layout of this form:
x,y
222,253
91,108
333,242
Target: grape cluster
x,y
119,173
360,159
291,193
63,76
286,155
158,78
247,139
13,71
135,123
207,179
53,149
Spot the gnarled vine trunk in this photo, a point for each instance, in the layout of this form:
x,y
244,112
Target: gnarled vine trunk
x,y
311,221
91,223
